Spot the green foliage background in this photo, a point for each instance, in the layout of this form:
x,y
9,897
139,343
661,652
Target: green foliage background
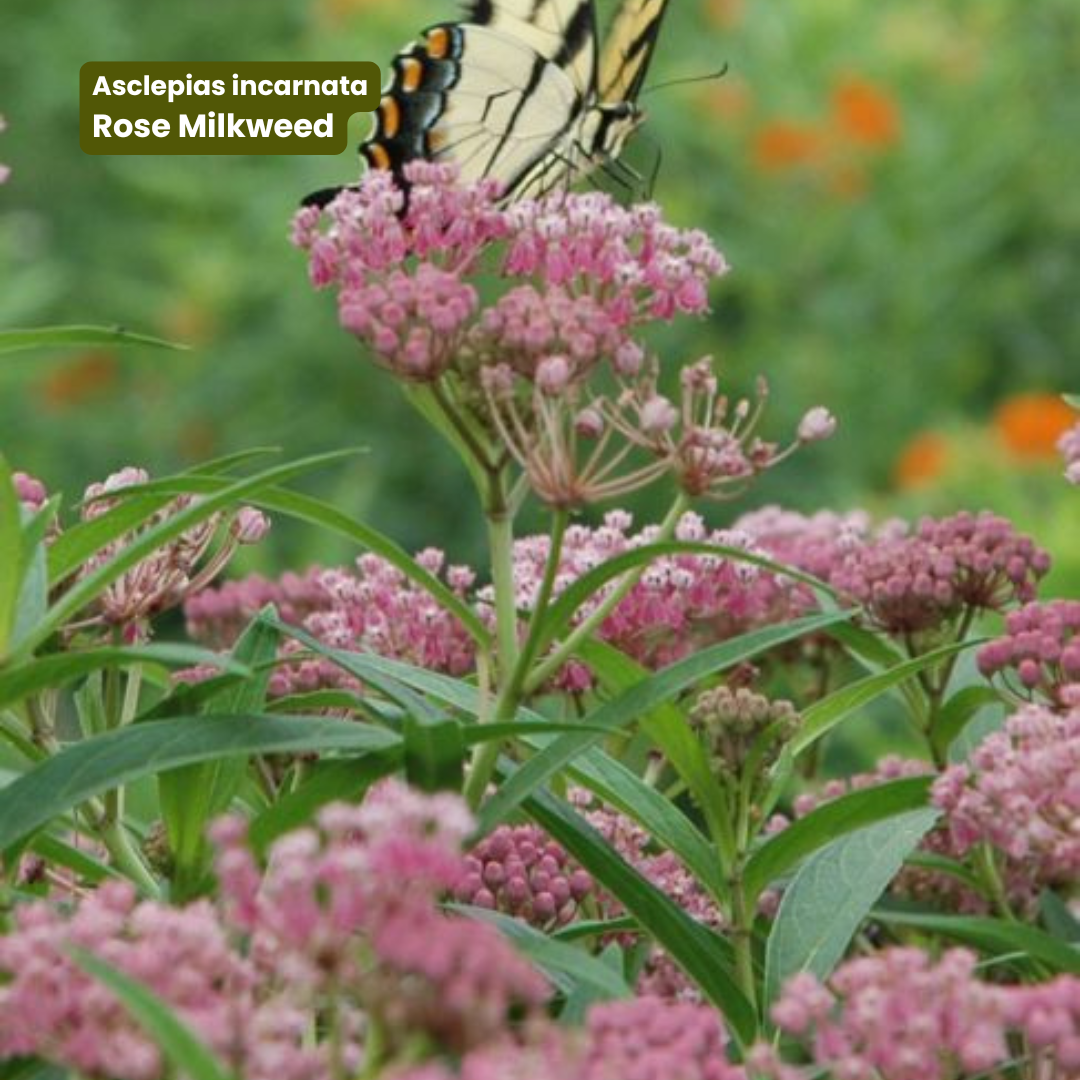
x,y
909,283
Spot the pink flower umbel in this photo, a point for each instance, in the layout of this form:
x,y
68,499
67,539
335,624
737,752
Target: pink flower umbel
x,y
1069,445
548,367
5,170
521,871
900,1015
948,569
1020,793
176,569
1038,656
351,908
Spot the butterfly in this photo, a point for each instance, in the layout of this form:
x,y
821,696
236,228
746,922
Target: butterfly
x,y
517,90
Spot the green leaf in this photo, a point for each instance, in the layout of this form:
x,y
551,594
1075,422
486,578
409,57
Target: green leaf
x,y
1058,919
783,850
668,728
329,781
188,1055
957,713
34,592
659,816
434,753
992,936
703,955
821,717
833,892
629,706
85,589
57,669
11,555
108,761
192,796
568,967
62,853
70,337
1072,400
31,1069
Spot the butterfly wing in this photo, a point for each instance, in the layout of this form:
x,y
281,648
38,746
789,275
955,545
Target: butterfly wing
x,y
628,50
494,94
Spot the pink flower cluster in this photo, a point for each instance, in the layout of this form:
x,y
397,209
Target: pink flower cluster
x,y
217,616
521,871
350,908
28,489
583,270
900,1015
374,608
661,977
283,976
1020,793
181,567
681,602
1069,445
51,1008
578,275
641,1039
1039,653
925,581
5,170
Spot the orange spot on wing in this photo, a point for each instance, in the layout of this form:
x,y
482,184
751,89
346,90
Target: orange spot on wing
x,y
390,117
438,43
378,157
412,72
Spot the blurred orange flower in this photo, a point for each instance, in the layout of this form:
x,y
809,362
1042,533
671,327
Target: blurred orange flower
x,y
88,375
866,114
782,145
1030,424
725,13
922,461
728,98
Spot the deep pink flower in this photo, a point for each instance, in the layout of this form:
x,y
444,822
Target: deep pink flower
x,y
1038,656
1020,793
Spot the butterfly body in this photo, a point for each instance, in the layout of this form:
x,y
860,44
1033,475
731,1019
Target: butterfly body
x,y
518,90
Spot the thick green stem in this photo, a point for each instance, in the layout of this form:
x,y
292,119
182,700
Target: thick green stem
x,y
742,924
513,688
587,627
500,532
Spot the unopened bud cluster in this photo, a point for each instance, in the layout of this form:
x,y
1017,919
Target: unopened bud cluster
x,y
739,723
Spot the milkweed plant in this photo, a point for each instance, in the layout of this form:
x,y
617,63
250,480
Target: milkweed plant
x,y
768,797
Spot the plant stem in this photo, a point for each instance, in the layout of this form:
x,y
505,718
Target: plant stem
x,y
512,691
500,532
549,666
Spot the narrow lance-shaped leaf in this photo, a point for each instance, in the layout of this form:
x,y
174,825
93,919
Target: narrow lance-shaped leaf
x,y
702,954
833,892
73,337
821,717
58,669
785,849
181,1047
108,761
193,795
630,705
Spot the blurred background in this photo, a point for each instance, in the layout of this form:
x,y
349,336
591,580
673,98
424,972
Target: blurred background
x,y
895,183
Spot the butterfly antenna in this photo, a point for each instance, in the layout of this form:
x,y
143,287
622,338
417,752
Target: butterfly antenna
x,y
689,80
